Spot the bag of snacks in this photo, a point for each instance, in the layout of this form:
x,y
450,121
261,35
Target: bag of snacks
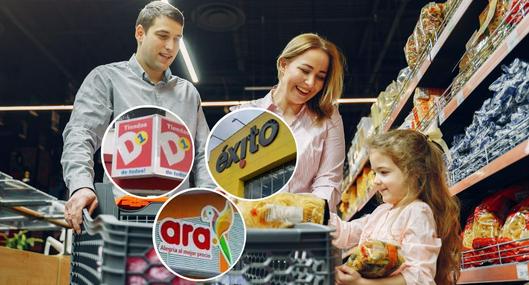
x,y
470,258
488,221
430,19
516,227
375,259
284,210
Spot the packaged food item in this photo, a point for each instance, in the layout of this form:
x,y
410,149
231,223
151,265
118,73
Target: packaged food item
x,y
375,259
284,210
411,51
430,19
467,237
518,9
404,75
361,184
468,233
516,228
484,40
424,100
497,126
489,217
348,199
490,214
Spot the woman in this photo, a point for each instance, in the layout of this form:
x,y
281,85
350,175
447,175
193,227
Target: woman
x,y
310,74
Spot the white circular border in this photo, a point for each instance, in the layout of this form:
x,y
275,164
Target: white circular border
x,y
168,193
226,117
169,201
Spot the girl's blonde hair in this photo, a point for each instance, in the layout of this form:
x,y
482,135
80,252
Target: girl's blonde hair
x,y
421,161
322,103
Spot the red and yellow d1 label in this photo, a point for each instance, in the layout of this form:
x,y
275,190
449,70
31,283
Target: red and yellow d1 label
x,y
141,137
184,144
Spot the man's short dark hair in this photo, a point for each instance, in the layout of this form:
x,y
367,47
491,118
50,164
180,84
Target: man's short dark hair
x,y
156,9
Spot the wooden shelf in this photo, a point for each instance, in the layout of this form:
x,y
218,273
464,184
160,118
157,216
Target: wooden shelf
x,y
495,273
509,43
435,69
517,153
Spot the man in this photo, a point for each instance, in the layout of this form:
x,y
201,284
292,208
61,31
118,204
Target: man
x,y
111,89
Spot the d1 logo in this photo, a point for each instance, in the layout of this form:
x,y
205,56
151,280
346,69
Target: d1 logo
x,y
136,140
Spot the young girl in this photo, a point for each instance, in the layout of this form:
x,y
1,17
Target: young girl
x,y
418,213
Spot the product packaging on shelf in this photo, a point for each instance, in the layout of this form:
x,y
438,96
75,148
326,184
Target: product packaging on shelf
x,y
516,228
430,19
499,125
485,227
424,102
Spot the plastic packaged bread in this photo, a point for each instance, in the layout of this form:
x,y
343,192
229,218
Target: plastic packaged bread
x,y
375,259
284,210
430,19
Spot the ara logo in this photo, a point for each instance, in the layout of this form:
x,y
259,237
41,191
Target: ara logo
x,y
257,137
184,233
220,224
185,238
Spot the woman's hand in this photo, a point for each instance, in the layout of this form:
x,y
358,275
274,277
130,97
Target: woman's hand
x,y
345,275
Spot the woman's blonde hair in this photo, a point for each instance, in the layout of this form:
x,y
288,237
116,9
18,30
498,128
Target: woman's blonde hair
x,y
322,103
421,161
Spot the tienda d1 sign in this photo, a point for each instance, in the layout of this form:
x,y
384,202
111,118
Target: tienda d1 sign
x,y
152,146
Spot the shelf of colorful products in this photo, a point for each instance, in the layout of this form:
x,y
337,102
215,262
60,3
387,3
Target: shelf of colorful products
x,y
454,16
447,106
502,42
357,169
492,164
24,207
508,263
465,9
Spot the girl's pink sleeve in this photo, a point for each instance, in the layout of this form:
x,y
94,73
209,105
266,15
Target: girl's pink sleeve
x,y
420,246
347,234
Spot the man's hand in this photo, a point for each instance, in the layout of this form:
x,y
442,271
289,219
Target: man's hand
x,y
73,210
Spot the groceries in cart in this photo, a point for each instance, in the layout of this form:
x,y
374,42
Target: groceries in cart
x,y
375,259
284,210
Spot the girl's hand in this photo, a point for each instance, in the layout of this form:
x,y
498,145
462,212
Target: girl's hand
x,y
345,275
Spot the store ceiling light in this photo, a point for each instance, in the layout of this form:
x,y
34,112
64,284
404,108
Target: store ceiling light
x,y
204,104
222,103
187,60
257,88
36,108
356,100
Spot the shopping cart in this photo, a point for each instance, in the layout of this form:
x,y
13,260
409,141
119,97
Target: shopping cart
x,y
116,246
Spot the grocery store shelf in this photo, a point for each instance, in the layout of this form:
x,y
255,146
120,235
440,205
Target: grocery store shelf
x,y
517,35
495,273
517,153
358,167
435,69
370,195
